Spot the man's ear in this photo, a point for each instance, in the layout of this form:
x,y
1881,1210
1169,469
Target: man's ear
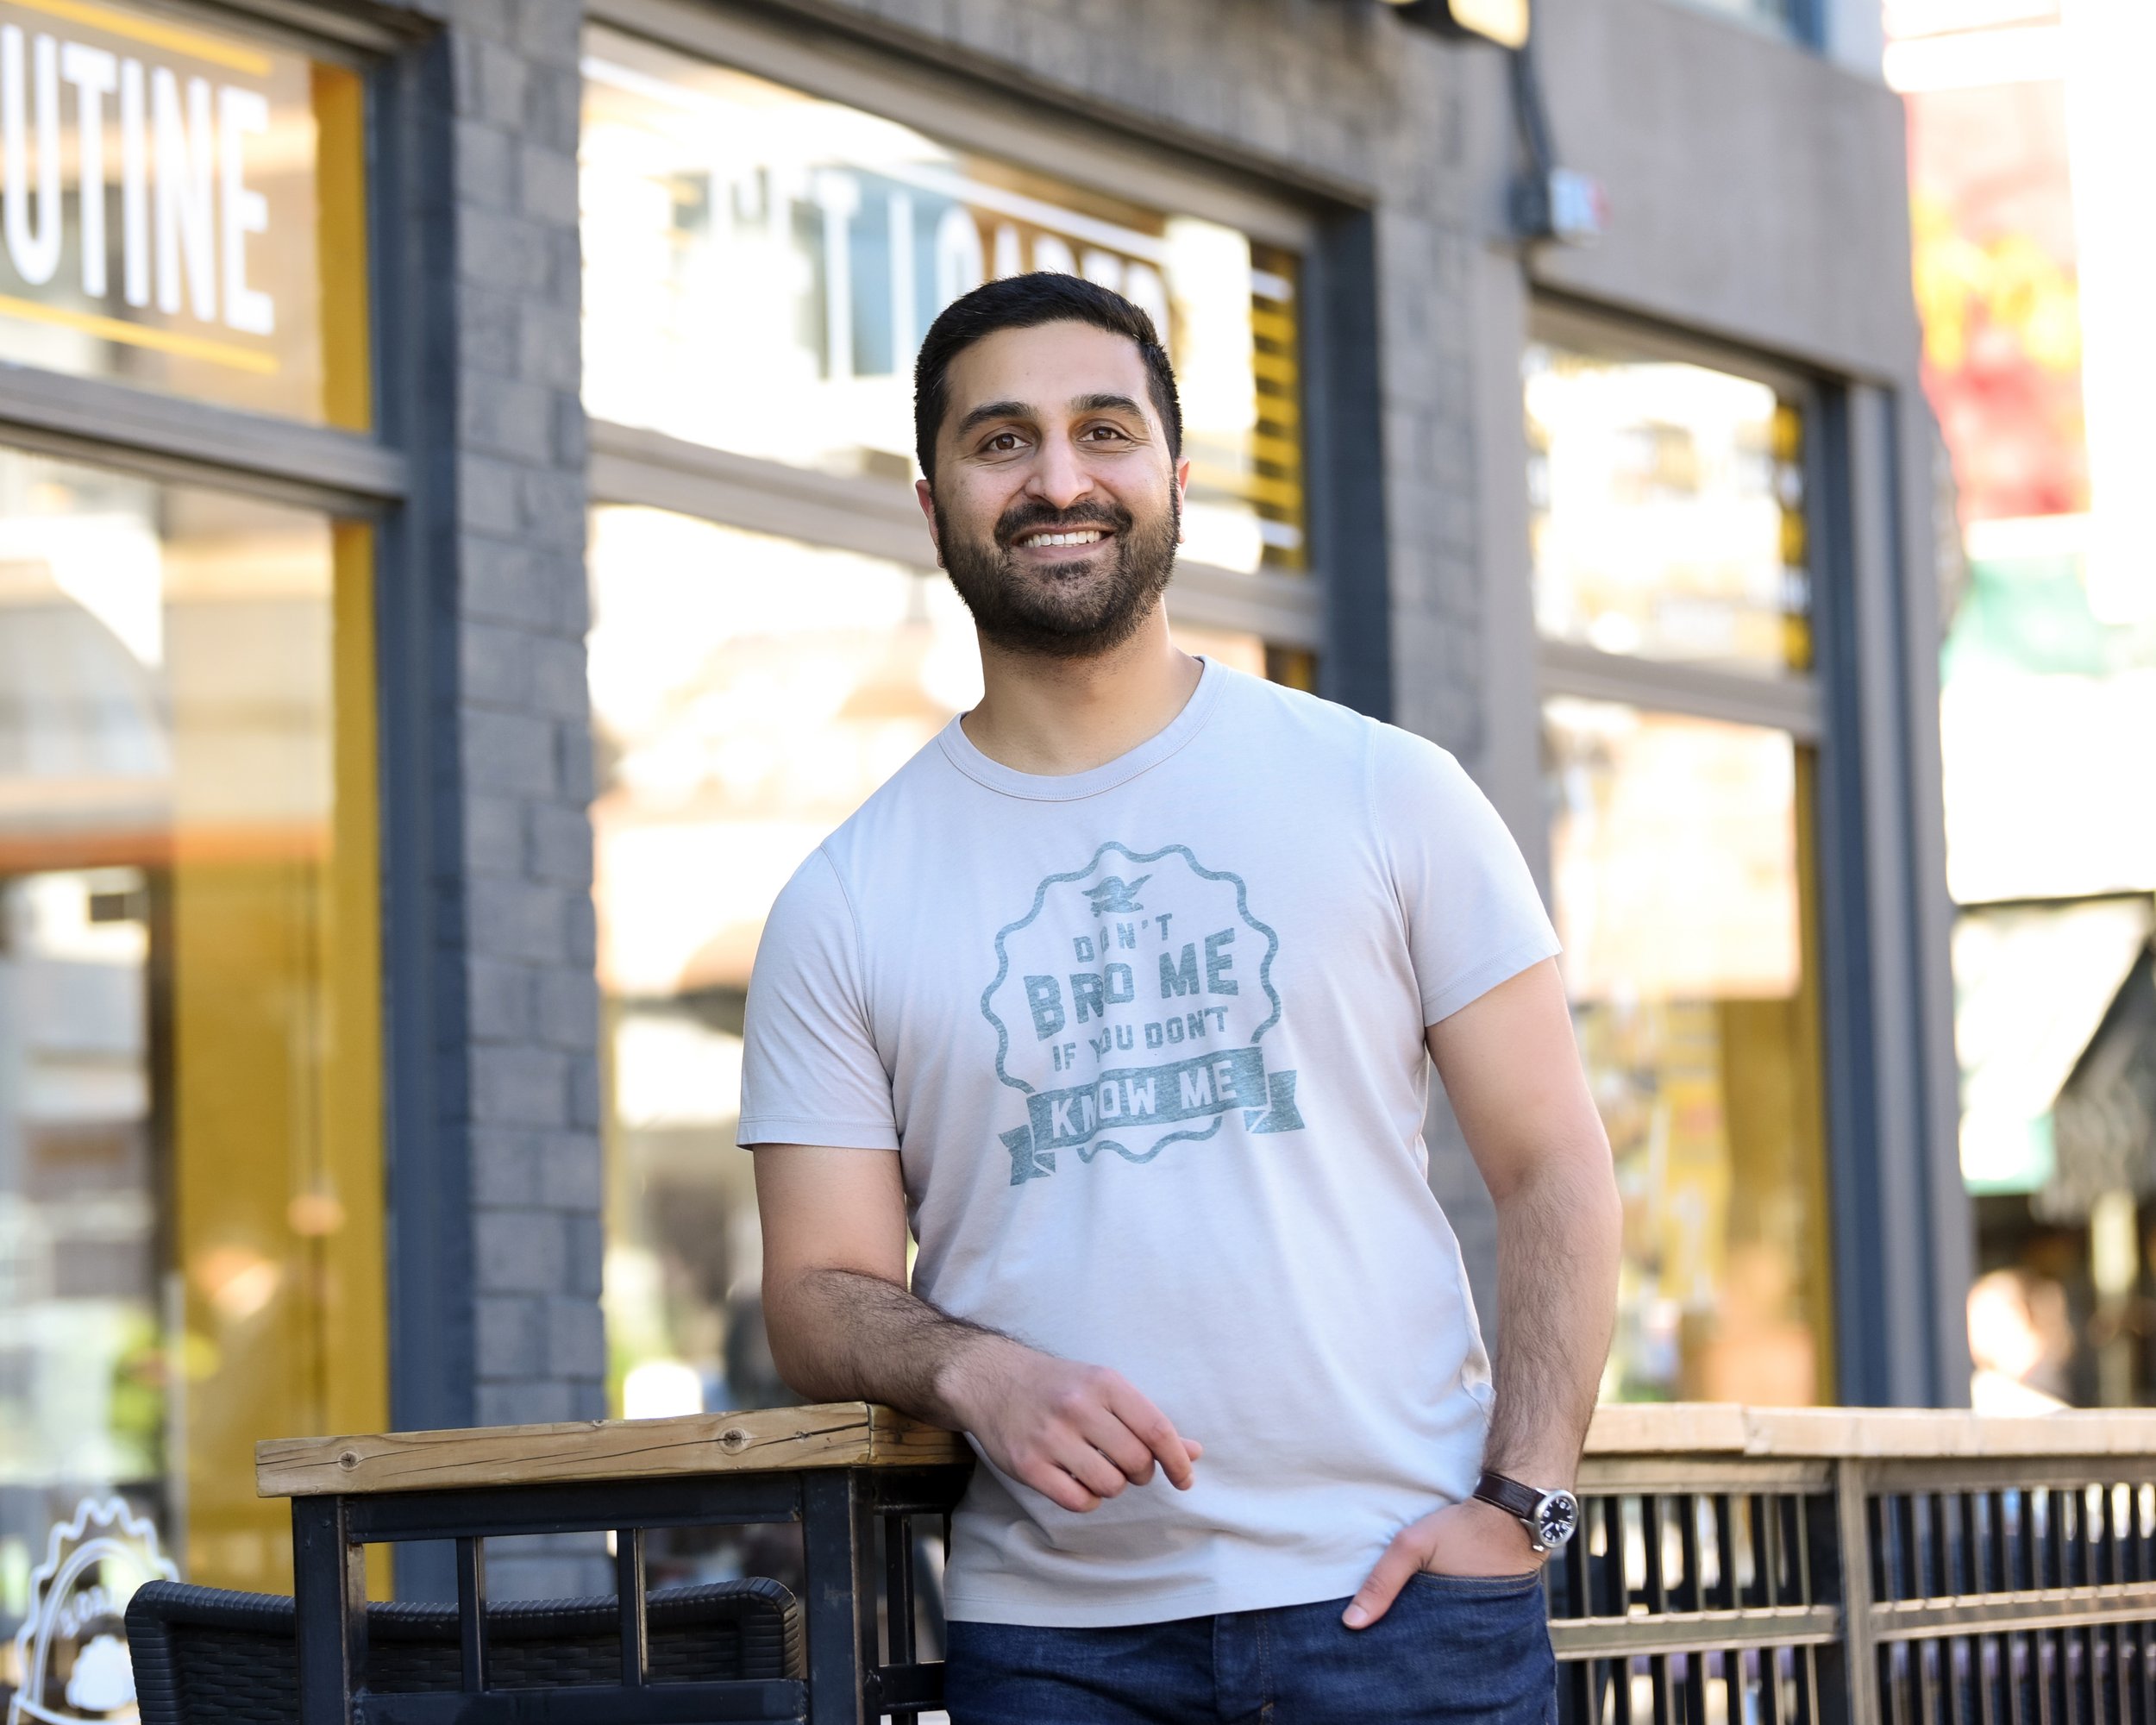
x,y
925,494
1183,490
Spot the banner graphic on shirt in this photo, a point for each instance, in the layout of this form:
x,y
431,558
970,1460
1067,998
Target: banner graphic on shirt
x,y
1129,1003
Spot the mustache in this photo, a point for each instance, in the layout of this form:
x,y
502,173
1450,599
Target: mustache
x,y
1036,517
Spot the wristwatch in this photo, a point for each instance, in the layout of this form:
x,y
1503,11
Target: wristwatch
x,y
1550,1517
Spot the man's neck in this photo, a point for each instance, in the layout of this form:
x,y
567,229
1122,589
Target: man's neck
x,y
1056,717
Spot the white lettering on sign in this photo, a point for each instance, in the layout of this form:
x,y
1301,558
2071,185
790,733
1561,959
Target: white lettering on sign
x,y
186,210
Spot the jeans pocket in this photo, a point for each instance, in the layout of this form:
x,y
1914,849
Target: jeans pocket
x,y
1479,1586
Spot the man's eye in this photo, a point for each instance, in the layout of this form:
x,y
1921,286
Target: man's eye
x,y
1104,431
1003,443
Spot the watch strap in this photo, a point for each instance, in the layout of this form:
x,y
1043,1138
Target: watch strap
x,y
1510,1495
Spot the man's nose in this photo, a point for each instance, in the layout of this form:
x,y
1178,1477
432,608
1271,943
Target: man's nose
x,y
1059,478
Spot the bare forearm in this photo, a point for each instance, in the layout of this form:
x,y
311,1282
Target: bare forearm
x,y
839,1335
1558,1243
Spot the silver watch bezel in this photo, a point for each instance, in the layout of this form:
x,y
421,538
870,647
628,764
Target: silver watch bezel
x,y
1535,1531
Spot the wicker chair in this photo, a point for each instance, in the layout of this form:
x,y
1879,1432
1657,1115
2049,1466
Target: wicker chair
x,y
202,1654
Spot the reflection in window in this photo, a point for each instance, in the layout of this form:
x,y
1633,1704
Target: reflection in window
x,y
761,264
190,1172
747,694
1667,511
235,272
1679,864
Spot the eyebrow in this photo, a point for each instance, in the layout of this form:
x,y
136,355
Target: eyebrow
x,y
1109,404
994,410
1019,409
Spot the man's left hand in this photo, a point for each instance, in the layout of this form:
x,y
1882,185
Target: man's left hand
x,y
1472,1537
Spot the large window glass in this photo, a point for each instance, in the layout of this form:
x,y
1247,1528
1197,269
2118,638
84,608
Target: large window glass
x,y
191,1230
760,265
1678,861
1668,546
747,694
181,209
1667,515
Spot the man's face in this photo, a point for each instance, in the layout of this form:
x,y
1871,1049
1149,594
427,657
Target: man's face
x,y
1056,508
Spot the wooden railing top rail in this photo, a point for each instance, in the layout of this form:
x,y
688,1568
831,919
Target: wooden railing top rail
x,y
1831,1434
830,1435
858,1435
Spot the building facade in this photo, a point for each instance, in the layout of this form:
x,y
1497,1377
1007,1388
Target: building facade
x,y
460,555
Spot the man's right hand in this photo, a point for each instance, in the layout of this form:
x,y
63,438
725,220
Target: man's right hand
x,y
1075,1433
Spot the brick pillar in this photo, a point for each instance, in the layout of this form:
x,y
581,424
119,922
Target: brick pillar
x,y
495,1168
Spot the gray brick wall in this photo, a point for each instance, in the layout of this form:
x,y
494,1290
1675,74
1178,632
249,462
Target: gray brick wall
x,y
515,1004
525,749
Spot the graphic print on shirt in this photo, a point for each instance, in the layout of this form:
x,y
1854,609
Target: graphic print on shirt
x,y
1129,1005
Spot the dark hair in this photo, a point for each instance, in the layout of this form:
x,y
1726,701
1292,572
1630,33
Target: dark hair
x,y
1024,302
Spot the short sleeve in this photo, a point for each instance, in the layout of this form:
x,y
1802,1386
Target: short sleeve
x,y
1474,917
810,1072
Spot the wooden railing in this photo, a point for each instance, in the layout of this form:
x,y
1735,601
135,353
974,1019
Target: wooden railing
x,y
1744,1567
1735,1566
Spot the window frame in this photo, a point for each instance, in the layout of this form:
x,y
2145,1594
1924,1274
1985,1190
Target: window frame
x,y
1792,702
361,483
1811,708
630,465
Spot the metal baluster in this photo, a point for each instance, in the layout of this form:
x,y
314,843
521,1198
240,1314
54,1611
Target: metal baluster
x,y
1940,1578
1688,1547
1618,1590
838,1542
1769,1514
329,1574
1726,1548
1908,1581
1650,1543
628,1592
472,1611
1797,1547
897,1589
1756,1548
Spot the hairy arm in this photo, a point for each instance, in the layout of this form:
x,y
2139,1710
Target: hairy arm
x,y
844,1326
1513,1072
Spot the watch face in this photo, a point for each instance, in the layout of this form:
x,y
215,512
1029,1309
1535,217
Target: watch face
x,y
1555,1517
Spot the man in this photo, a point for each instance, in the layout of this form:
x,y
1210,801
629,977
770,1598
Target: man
x,y
1119,994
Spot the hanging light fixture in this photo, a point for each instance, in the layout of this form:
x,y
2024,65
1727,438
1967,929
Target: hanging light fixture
x,y
1503,21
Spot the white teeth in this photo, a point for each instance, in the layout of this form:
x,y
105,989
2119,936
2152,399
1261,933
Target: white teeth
x,y
1086,537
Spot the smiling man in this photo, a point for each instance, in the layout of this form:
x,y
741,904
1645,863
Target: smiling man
x,y
1123,995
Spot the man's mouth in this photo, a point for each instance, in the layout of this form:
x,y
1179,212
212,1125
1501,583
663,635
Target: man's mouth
x,y
1078,535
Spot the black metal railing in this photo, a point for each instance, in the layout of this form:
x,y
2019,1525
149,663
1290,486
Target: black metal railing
x,y
1839,1567
1735,1566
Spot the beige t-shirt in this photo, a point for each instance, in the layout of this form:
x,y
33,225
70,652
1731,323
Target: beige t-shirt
x,y
1148,1041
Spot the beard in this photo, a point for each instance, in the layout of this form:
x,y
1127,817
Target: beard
x,y
1077,610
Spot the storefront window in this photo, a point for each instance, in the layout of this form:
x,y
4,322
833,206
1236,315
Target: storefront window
x,y
1681,863
183,210
760,265
1667,507
191,1230
747,694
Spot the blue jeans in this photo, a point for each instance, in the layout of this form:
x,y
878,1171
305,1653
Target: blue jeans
x,y
1454,1650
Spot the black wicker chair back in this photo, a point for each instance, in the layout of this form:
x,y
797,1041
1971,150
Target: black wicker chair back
x,y
202,1654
